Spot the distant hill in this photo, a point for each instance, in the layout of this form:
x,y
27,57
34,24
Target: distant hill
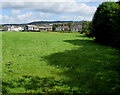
x,y
50,22
14,24
44,22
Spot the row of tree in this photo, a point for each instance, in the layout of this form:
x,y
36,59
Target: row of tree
x,y
105,26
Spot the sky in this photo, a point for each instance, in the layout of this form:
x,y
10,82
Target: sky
x,y
25,11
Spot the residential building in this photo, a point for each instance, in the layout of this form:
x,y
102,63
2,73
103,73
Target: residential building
x,y
1,29
12,28
76,28
45,28
62,28
31,28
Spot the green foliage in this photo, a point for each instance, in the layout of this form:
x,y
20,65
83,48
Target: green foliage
x,y
1,26
106,24
86,27
45,62
54,27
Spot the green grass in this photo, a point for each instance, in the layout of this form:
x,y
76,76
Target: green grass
x,y
0,62
58,62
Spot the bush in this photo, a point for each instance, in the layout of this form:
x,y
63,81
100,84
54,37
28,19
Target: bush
x,y
106,24
85,28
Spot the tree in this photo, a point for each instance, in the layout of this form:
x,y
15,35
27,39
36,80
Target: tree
x,y
105,23
26,28
53,27
86,25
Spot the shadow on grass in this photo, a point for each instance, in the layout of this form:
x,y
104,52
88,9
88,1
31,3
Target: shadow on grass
x,y
90,68
32,84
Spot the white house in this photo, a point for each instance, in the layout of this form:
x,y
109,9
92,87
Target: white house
x,y
12,28
76,28
31,27
45,28
1,29
62,28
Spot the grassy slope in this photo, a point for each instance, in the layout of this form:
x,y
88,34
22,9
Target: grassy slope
x,y
57,62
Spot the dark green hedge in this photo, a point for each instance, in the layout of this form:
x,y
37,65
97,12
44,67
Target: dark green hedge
x,y
106,24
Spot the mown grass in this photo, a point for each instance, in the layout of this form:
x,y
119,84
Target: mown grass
x,y
58,63
0,62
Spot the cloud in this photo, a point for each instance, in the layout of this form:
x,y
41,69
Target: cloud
x,y
56,0
47,10
6,19
38,0
15,19
29,17
52,7
75,18
0,18
15,11
44,15
14,5
96,0
23,16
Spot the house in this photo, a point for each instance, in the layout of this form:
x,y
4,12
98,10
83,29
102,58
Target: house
x,y
12,28
7,28
31,28
45,28
20,28
62,28
16,28
1,29
76,28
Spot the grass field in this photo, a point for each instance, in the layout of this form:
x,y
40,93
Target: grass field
x,y
0,62
58,63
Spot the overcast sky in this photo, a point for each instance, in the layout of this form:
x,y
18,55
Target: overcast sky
x,y
24,11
